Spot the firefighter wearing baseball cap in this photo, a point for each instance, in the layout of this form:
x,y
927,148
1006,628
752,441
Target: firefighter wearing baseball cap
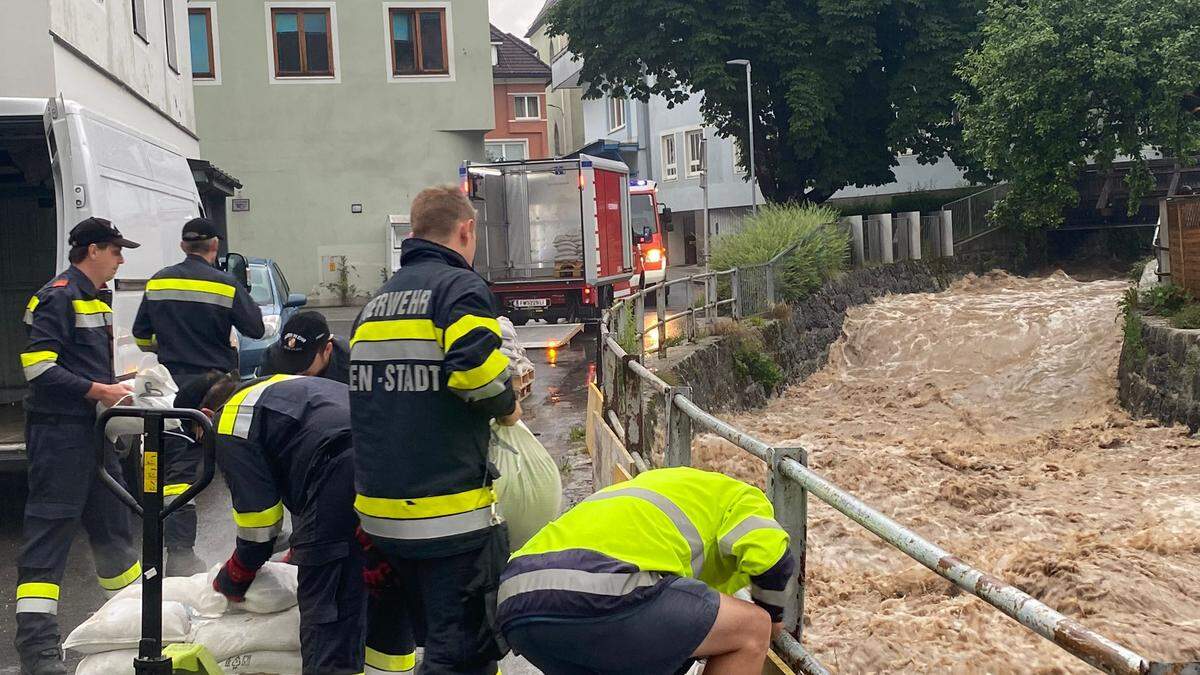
x,y
306,347
68,363
186,317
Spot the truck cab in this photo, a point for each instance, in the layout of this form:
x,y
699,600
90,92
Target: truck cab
x,y
648,219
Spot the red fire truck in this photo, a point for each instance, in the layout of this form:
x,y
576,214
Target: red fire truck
x,y
649,218
554,236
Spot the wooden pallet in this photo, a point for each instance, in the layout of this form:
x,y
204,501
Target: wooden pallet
x,y
523,384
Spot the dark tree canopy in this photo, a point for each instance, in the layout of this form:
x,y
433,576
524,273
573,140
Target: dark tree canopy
x,y
840,86
1055,84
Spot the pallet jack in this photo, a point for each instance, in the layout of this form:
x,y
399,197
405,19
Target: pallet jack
x,y
152,658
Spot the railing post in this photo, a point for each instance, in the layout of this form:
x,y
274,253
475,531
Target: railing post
x,y
790,501
633,405
678,450
639,320
736,287
660,313
688,295
710,297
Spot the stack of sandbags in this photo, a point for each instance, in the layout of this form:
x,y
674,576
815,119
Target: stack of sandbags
x,y
568,247
260,635
518,363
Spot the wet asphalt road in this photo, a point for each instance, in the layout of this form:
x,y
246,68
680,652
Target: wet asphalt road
x,y
555,407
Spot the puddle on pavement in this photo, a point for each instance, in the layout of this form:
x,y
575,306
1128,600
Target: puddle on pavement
x,y
985,418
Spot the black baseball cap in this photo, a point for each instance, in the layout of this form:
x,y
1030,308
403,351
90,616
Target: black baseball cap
x,y
301,338
98,231
200,229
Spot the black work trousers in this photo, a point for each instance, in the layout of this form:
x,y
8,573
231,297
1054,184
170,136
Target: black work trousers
x,y
181,460
64,493
331,593
449,619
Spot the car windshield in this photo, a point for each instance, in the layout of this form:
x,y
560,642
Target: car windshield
x,y
642,219
260,285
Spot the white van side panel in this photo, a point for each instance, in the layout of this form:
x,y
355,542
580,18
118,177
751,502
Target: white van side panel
x,y
144,187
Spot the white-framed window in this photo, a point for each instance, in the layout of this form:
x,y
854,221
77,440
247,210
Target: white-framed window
x,y
506,150
419,35
527,107
204,45
616,114
302,42
670,165
169,30
693,142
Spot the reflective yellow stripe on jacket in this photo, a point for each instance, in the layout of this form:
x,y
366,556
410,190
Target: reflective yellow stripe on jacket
x,y
259,526
238,413
397,340
36,363
191,290
379,663
426,517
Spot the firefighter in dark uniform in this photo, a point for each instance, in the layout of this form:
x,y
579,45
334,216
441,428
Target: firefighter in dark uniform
x,y
306,347
284,442
426,377
68,363
186,318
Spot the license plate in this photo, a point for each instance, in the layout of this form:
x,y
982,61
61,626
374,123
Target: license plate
x,y
534,302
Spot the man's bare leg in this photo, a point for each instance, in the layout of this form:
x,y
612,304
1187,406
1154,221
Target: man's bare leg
x,y
738,641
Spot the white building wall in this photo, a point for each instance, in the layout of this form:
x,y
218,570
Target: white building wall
x,y
87,51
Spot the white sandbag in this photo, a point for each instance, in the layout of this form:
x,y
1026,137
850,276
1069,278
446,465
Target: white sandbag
x,y
194,592
529,490
118,625
273,590
119,662
234,634
262,663
153,387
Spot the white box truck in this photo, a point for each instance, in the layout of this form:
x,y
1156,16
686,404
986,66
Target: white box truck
x,y
61,163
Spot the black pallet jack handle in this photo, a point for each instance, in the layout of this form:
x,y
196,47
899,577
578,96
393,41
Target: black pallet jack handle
x,y
150,659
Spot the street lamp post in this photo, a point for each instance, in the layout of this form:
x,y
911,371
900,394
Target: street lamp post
x,y
750,122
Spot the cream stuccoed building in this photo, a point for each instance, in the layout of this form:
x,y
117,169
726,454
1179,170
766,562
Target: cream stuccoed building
x,y
333,115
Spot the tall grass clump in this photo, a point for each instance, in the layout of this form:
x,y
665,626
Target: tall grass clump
x,y
822,251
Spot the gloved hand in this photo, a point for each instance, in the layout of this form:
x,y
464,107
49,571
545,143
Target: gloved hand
x,y
376,570
234,579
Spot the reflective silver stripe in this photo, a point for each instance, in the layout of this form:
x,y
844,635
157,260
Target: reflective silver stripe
x,y
398,350
774,598
191,296
260,535
29,317
428,528
749,524
672,511
578,581
493,388
99,320
37,606
245,411
38,369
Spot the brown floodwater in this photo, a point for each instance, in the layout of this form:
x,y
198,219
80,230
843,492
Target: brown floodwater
x,y
985,418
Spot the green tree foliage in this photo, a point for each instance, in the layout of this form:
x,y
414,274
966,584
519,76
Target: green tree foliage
x,y
821,246
840,86
1056,83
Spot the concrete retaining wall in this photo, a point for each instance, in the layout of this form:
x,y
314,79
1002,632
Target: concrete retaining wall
x,y
1159,373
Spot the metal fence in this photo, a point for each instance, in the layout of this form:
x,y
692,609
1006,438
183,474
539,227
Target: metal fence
x,y
971,213
629,386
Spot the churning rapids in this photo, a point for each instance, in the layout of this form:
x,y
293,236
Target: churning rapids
x,y
985,418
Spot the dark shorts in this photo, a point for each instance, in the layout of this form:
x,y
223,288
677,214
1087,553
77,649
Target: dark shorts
x,y
656,637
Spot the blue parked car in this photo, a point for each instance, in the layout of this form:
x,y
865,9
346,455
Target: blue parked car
x,y
278,303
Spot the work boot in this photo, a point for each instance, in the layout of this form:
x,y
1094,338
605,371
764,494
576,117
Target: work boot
x,y
183,562
46,662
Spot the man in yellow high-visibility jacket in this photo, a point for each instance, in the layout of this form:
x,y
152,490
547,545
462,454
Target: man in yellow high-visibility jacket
x,y
638,579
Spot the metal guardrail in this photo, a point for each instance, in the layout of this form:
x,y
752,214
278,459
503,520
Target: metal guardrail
x,y
624,380
971,213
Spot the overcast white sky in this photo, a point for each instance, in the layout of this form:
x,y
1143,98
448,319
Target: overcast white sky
x,y
514,16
